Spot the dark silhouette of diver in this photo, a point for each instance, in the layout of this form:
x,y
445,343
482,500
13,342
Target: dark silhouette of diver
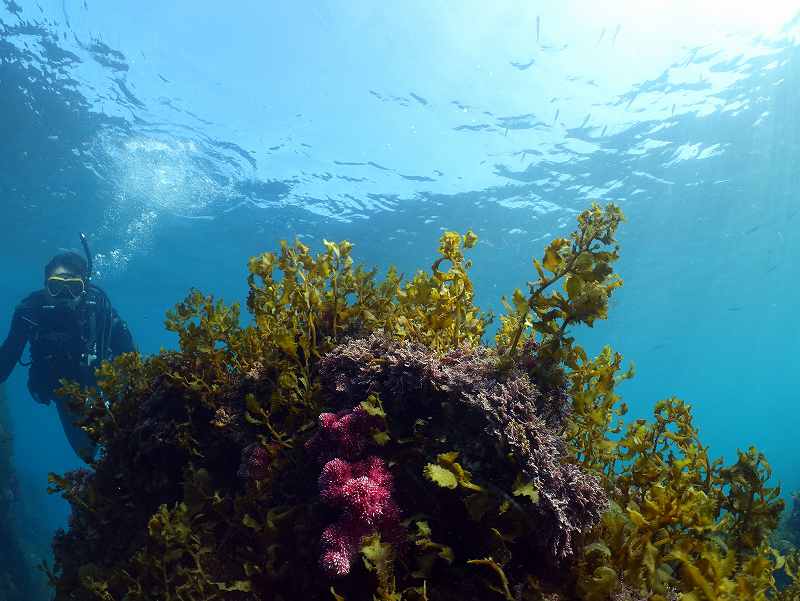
x,y
71,327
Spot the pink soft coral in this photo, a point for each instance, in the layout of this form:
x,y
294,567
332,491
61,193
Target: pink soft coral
x,y
360,488
363,490
340,543
344,434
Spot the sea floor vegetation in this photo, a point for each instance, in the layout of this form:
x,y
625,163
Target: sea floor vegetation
x,y
19,578
362,440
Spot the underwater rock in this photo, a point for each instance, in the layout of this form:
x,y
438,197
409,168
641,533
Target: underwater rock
x,y
485,414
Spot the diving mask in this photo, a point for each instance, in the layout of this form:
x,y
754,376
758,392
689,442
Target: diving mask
x,y
64,286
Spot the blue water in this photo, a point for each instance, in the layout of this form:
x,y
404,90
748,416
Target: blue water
x,y
185,137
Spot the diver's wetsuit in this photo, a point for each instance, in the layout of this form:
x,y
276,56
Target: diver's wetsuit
x,y
65,342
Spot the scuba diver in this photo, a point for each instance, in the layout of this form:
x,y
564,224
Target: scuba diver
x,y
71,327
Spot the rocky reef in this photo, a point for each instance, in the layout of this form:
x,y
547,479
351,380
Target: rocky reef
x,y
362,440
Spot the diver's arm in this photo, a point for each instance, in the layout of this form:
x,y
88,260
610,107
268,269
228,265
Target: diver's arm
x,y
121,337
14,344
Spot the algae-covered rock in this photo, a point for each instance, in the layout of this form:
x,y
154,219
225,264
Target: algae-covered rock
x,y
360,440
463,402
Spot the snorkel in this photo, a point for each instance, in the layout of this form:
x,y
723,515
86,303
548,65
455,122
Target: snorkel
x,y
97,349
88,253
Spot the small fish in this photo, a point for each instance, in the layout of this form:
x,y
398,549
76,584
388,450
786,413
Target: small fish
x,y
630,102
753,229
616,33
603,133
673,111
506,134
585,121
556,117
735,308
418,98
538,27
523,66
602,35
